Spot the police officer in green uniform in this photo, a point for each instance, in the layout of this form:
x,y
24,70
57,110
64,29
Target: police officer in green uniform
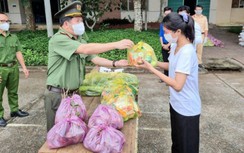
x,y
68,54
9,72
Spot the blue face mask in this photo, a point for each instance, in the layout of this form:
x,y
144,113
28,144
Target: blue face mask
x,y
79,28
4,26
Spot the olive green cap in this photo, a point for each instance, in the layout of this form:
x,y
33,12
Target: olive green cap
x,y
72,10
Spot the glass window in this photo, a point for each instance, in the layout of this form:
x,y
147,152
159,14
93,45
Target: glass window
x,y
242,3
4,6
237,3
128,5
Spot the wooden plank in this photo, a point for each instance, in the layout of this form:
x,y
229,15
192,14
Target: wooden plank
x,y
93,103
87,101
45,149
130,131
76,148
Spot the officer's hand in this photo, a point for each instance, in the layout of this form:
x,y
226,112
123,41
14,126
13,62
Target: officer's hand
x,y
124,44
121,63
26,72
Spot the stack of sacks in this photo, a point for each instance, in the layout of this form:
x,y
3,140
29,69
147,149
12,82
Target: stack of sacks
x,y
69,127
103,136
241,36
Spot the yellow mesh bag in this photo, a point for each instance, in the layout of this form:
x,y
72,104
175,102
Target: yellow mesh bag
x,y
141,51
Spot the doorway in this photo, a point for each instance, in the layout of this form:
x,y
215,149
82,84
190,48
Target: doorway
x,y
191,4
39,10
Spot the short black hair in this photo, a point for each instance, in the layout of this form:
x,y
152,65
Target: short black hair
x,y
62,20
168,9
2,13
199,6
184,8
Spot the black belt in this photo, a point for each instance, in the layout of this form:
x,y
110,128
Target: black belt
x,y
8,64
60,90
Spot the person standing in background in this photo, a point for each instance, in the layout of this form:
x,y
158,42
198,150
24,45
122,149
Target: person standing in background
x,y
203,22
164,43
198,32
10,51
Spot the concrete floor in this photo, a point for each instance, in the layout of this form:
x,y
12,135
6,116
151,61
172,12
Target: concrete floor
x,y
222,118
221,122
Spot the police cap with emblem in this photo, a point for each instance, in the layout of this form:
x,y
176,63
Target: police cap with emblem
x,y
71,10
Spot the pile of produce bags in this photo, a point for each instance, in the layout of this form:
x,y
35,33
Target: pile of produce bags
x,y
122,96
116,89
103,135
95,81
241,36
69,127
212,41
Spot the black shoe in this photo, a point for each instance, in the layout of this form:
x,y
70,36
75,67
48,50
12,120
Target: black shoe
x,y
200,66
19,113
3,122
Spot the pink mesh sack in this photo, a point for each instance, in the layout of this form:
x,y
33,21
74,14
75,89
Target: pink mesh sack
x,y
71,106
104,139
66,132
106,115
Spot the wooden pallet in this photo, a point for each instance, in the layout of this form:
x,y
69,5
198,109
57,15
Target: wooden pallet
x,y
130,131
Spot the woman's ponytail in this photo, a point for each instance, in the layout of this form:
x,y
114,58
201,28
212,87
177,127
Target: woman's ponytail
x,y
182,21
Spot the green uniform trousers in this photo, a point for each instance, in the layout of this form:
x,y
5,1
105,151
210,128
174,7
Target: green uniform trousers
x,y
52,101
10,80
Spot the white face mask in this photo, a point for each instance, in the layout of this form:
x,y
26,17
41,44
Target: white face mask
x,y
79,28
198,12
169,38
4,26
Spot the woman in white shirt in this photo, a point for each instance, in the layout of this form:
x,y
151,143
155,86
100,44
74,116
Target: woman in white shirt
x,y
185,103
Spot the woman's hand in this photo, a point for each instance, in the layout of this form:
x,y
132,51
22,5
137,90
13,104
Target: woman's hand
x,y
166,47
144,65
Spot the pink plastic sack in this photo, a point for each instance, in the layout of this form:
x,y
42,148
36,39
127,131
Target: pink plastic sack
x,y
67,132
104,139
106,115
71,106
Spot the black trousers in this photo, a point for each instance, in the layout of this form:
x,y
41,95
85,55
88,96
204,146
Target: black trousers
x,y
184,132
165,55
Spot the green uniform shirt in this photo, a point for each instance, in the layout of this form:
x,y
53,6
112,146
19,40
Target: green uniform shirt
x,y
9,45
66,69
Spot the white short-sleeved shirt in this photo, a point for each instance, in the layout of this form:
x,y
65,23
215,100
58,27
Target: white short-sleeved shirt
x,y
198,34
186,102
